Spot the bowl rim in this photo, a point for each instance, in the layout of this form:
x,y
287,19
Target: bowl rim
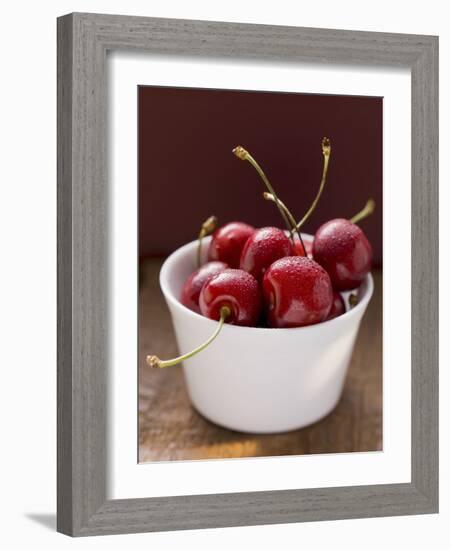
x,y
169,296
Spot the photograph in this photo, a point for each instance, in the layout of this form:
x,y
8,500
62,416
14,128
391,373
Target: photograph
x,y
260,255
221,280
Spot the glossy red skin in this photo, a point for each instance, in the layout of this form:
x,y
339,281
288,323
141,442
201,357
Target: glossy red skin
x,y
194,283
228,241
337,307
343,250
236,289
262,248
297,292
298,248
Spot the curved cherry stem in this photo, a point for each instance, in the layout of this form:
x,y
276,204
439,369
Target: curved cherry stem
x,y
366,211
326,151
156,363
243,154
270,197
208,226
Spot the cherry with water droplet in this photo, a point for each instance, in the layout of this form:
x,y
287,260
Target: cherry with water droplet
x,y
228,241
231,296
235,289
262,248
343,250
190,293
297,292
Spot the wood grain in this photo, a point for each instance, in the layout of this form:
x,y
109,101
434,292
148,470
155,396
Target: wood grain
x,y
171,429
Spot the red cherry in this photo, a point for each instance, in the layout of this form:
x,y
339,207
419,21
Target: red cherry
x,y
228,241
337,307
343,250
230,296
297,292
235,289
194,283
262,248
298,247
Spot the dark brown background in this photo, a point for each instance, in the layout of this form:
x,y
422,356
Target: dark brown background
x,y
188,172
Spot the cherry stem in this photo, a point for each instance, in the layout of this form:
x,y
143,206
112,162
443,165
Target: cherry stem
x,y
243,154
270,197
366,211
326,151
156,363
208,226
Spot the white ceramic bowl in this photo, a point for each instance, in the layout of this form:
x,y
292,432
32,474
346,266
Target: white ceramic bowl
x,y
261,380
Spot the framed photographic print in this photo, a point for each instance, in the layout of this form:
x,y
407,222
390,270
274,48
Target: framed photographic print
x,y
259,205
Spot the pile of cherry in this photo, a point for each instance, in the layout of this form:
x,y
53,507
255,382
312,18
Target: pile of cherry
x,y
269,277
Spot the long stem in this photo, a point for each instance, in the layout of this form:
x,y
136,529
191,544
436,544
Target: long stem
x,y
326,150
156,363
366,211
241,153
208,226
270,197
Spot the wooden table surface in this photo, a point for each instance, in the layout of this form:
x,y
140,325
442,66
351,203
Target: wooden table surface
x,y
170,428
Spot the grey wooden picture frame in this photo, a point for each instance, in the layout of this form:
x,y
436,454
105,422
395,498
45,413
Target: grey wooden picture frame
x,y
83,42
